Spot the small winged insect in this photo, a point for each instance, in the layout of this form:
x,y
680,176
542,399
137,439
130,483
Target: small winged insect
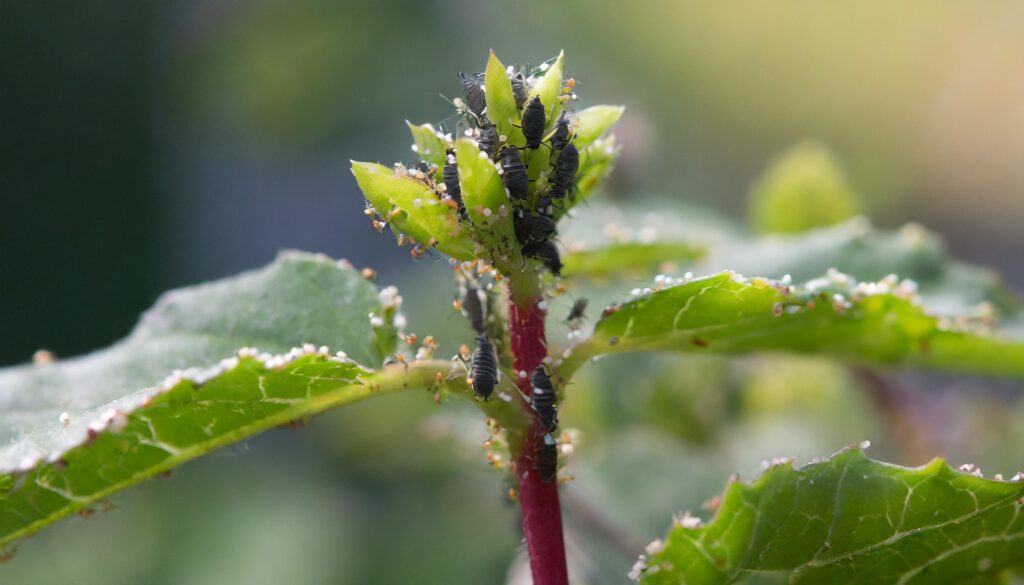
x,y
451,182
547,459
533,122
519,90
565,171
484,373
543,398
560,136
576,313
488,141
476,100
531,227
547,253
473,309
514,173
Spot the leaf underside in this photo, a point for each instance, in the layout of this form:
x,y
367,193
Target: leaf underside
x,y
849,519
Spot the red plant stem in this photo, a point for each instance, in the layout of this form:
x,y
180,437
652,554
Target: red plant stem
x,y
542,514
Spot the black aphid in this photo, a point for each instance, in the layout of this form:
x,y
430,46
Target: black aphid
x,y
560,137
533,122
488,141
484,371
543,398
519,90
532,227
514,173
451,182
476,100
547,460
547,253
577,311
473,309
565,172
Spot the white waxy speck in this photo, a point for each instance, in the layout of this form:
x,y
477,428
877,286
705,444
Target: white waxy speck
x,y
967,467
376,321
415,148
522,374
542,305
400,321
647,235
688,276
502,138
341,355
468,132
545,66
1018,476
488,212
308,348
977,472
787,279
635,292
865,444
417,203
547,361
998,477
65,419
655,547
458,102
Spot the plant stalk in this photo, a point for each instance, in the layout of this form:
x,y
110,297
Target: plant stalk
x,y
542,514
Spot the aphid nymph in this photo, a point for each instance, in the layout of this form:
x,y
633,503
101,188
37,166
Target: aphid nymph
x,y
576,313
476,100
514,173
484,372
473,309
451,182
565,171
547,460
547,253
543,399
533,122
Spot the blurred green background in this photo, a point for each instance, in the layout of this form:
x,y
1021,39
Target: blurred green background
x,y
147,145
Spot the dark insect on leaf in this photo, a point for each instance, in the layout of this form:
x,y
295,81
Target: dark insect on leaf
x,y
484,371
473,309
514,173
476,100
543,399
533,122
560,137
488,141
532,227
519,90
547,460
547,253
565,171
451,182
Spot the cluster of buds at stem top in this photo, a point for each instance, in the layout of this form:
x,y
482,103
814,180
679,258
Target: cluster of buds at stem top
x,y
494,179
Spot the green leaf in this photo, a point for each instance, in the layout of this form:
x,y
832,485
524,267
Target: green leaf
x,y
849,519
593,122
75,431
863,322
628,258
429,146
804,188
501,103
482,188
419,212
549,89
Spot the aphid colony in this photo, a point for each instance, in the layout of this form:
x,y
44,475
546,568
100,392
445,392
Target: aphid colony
x,y
533,216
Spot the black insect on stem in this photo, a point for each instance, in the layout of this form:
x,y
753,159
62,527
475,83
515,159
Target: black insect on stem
x,y
484,372
565,172
519,90
473,309
476,100
514,173
547,253
450,174
534,120
560,135
543,399
532,227
547,460
488,141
